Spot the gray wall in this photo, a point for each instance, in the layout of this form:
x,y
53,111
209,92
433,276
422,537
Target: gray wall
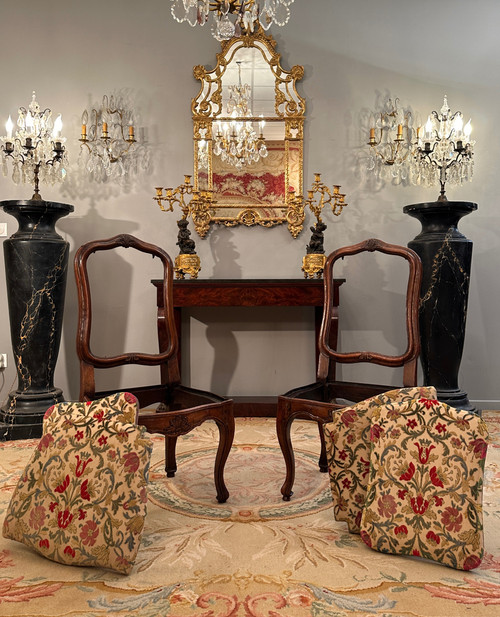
x,y
353,52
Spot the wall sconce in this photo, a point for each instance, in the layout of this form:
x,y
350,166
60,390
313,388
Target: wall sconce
x,y
391,141
187,262
443,150
108,147
36,149
317,198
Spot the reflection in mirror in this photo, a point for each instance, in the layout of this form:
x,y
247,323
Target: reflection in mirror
x,y
248,131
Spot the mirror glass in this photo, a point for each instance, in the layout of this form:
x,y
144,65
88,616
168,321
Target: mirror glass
x,y
248,136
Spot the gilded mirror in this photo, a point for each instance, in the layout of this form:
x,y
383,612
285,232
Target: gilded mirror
x,y
248,122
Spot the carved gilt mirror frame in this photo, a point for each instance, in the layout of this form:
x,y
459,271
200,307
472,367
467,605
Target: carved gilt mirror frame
x,y
260,193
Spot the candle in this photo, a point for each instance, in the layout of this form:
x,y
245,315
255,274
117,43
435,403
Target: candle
x,y
105,129
131,132
57,126
400,130
84,131
9,125
372,133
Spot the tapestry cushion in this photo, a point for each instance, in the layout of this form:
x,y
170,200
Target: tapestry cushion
x,y
424,493
347,440
82,498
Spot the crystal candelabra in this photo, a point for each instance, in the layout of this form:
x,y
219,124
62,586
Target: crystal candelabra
x,y
36,149
318,197
108,145
443,150
187,262
391,141
231,17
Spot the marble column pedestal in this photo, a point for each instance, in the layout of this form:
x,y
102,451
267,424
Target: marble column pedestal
x,y
36,261
446,256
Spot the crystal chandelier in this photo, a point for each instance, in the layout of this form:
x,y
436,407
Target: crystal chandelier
x,y
36,148
236,141
232,16
108,147
443,150
391,142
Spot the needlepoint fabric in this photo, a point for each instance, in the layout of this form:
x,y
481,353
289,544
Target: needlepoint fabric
x,y
82,498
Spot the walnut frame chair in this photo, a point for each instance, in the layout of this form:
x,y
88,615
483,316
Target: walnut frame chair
x,y
181,408
317,401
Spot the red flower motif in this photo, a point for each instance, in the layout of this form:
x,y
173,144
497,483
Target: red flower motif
x,y
412,423
428,402
423,454
37,517
415,552
99,415
64,519
60,488
103,440
80,465
438,500
452,519
472,561
84,493
342,455
79,435
45,442
435,479
375,432
419,505
81,514
408,474
44,543
357,520
346,483
480,447
69,551
366,538
441,428
401,529
53,506
48,412
433,538
386,506
349,416
89,533
130,398
402,493
366,467
131,462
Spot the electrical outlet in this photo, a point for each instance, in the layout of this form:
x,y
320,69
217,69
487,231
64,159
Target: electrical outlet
x,y
3,230
3,360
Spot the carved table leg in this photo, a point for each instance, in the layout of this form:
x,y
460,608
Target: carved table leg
x,y
226,436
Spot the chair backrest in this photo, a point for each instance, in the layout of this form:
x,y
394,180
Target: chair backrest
x,y
408,360
167,359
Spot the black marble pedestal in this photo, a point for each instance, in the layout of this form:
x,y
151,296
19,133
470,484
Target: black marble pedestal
x,y
446,256
36,261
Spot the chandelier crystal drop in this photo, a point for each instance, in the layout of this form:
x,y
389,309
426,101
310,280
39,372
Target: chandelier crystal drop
x,y
231,17
36,149
443,150
236,141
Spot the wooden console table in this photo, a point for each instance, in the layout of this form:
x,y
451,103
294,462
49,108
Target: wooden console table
x,y
190,293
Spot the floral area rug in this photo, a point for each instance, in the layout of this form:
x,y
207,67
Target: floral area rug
x,y
256,555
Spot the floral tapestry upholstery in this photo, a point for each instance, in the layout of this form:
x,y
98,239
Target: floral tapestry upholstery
x,y
347,440
424,494
82,498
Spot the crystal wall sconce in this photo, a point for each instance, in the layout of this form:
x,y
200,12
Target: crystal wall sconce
x,y
108,147
390,141
36,148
